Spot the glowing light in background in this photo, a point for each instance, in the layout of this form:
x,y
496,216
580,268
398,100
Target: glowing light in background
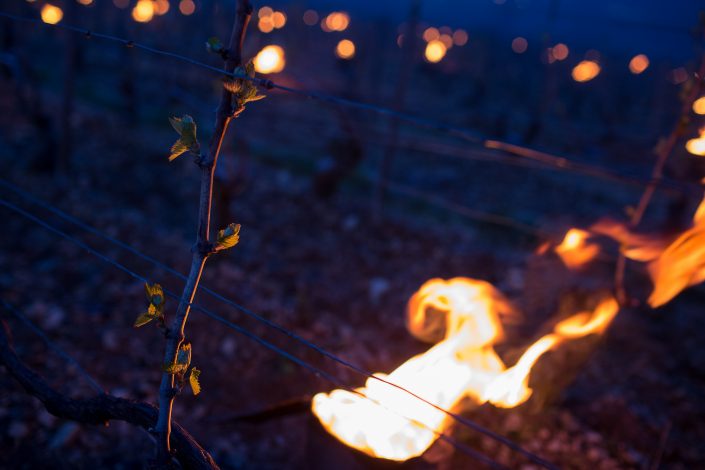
x,y
586,71
679,75
143,12
85,2
336,21
460,37
265,12
270,60
279,19
431,34
699,105
345,49
161,7
310,17
519,45
51,14
560,51
638,64
697,146
269,20
447,40
435,51
187,7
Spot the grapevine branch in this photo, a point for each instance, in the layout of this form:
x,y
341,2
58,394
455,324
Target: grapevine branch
x,y
203,248
99,409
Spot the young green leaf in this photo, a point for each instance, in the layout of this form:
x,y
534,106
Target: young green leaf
x,y
143,319
228,237
244,91
193,381
186,128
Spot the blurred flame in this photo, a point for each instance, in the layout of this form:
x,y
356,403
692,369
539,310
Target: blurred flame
x,y
345,49
270,60
51,14
574,250
697,146
143,12
638,64
674,263
463,315
586,71
435,51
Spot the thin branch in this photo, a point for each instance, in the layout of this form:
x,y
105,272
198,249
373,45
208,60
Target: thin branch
x,y
203,247
664,151
99,409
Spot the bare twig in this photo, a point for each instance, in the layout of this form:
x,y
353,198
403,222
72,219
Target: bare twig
x,y
663,151
100,409
203,247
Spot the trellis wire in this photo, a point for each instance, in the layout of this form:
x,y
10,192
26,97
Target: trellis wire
x,y
315,370
458,418
465,134
52,345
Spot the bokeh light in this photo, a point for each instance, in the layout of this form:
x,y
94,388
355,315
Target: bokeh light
x,y
586,71
638,64
345,49
279,19
519,45
161,7
560,51
699,105
143,12
431,34
336,21
51,14
435,51
270,59
310,17
187,7
460,37
85,2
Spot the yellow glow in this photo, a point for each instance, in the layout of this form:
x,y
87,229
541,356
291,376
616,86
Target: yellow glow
x,y
435,51
696,147
431,34
143,12
519,45
310,17
187,7
699,105
51,14
278,19
638,64
270,60
463,317
586,71
336,21
460,37
560,51
345,49
574,249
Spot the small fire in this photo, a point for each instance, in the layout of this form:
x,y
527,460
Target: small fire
x,y
674,263
575,251
464,316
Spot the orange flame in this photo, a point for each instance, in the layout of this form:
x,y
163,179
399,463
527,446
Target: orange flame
x,y
464,315
575,251
674,263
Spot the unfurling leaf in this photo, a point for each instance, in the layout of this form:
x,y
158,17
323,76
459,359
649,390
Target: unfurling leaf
x,y
193,381
228,237
143,319
183,357
244,91
186,128
214,45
